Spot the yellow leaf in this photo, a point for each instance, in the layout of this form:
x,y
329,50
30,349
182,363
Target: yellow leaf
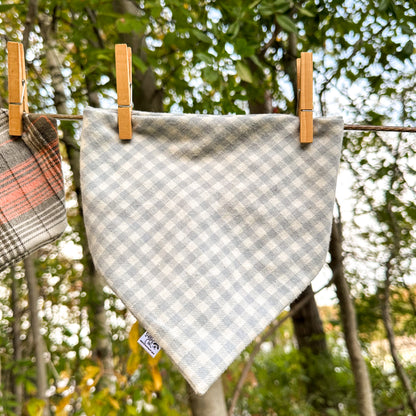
x,y
60,407
132,363
114,403
157,378
148,389
134,337
153,361
91,371
61,389
121,378
63,381
64,374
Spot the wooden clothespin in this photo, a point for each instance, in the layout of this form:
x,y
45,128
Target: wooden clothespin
x,y
304,67
17,87
124,90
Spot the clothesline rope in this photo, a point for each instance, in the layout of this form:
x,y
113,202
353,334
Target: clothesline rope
x,y
357,127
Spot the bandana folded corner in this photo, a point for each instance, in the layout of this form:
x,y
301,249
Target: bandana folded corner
x,y
206,226
32,199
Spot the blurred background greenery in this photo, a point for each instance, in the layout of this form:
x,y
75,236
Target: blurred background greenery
x,y
235,56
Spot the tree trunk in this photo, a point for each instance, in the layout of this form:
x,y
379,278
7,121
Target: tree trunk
x,y
389,328
212,403
1,383
392,262
307,324
263,106
38,342
146,95
349,322
99,330
316,359
291,67
17,385
32,12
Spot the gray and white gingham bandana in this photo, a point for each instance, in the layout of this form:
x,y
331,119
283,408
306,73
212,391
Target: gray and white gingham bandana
x,y
208,226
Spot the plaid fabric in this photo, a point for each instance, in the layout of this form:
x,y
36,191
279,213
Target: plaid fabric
x,y
208,226
32,200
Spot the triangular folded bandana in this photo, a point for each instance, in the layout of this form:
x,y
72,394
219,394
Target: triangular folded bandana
x,y
208,226
32,197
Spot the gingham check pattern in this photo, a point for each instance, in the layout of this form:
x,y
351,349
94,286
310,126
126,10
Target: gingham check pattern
x,y
32,198
207,226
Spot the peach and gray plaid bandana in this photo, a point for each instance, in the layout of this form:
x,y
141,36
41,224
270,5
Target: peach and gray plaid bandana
x,y
32,198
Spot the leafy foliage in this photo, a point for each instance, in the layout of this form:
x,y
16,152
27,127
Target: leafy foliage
x,y
224,57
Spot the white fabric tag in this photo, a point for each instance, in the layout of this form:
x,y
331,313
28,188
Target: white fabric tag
x,y
149,344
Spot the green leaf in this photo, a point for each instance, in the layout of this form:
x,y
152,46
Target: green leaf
x,y
233,29
243,71
306,12
286,23
35,407
127,24
406,30
254,4
113,15
209,74
411,212
131,410
204,57
139,64
384,4
201,36
243,49
273,7
30,386
256,60
5,7
154,7
408,48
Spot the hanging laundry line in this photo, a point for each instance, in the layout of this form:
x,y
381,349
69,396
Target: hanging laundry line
x,y
357,127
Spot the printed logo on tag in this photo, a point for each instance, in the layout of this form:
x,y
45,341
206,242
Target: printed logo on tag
x,y
149,344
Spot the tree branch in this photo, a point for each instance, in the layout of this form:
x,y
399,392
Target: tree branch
x,y
32,12
386,308
38,341
365,402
